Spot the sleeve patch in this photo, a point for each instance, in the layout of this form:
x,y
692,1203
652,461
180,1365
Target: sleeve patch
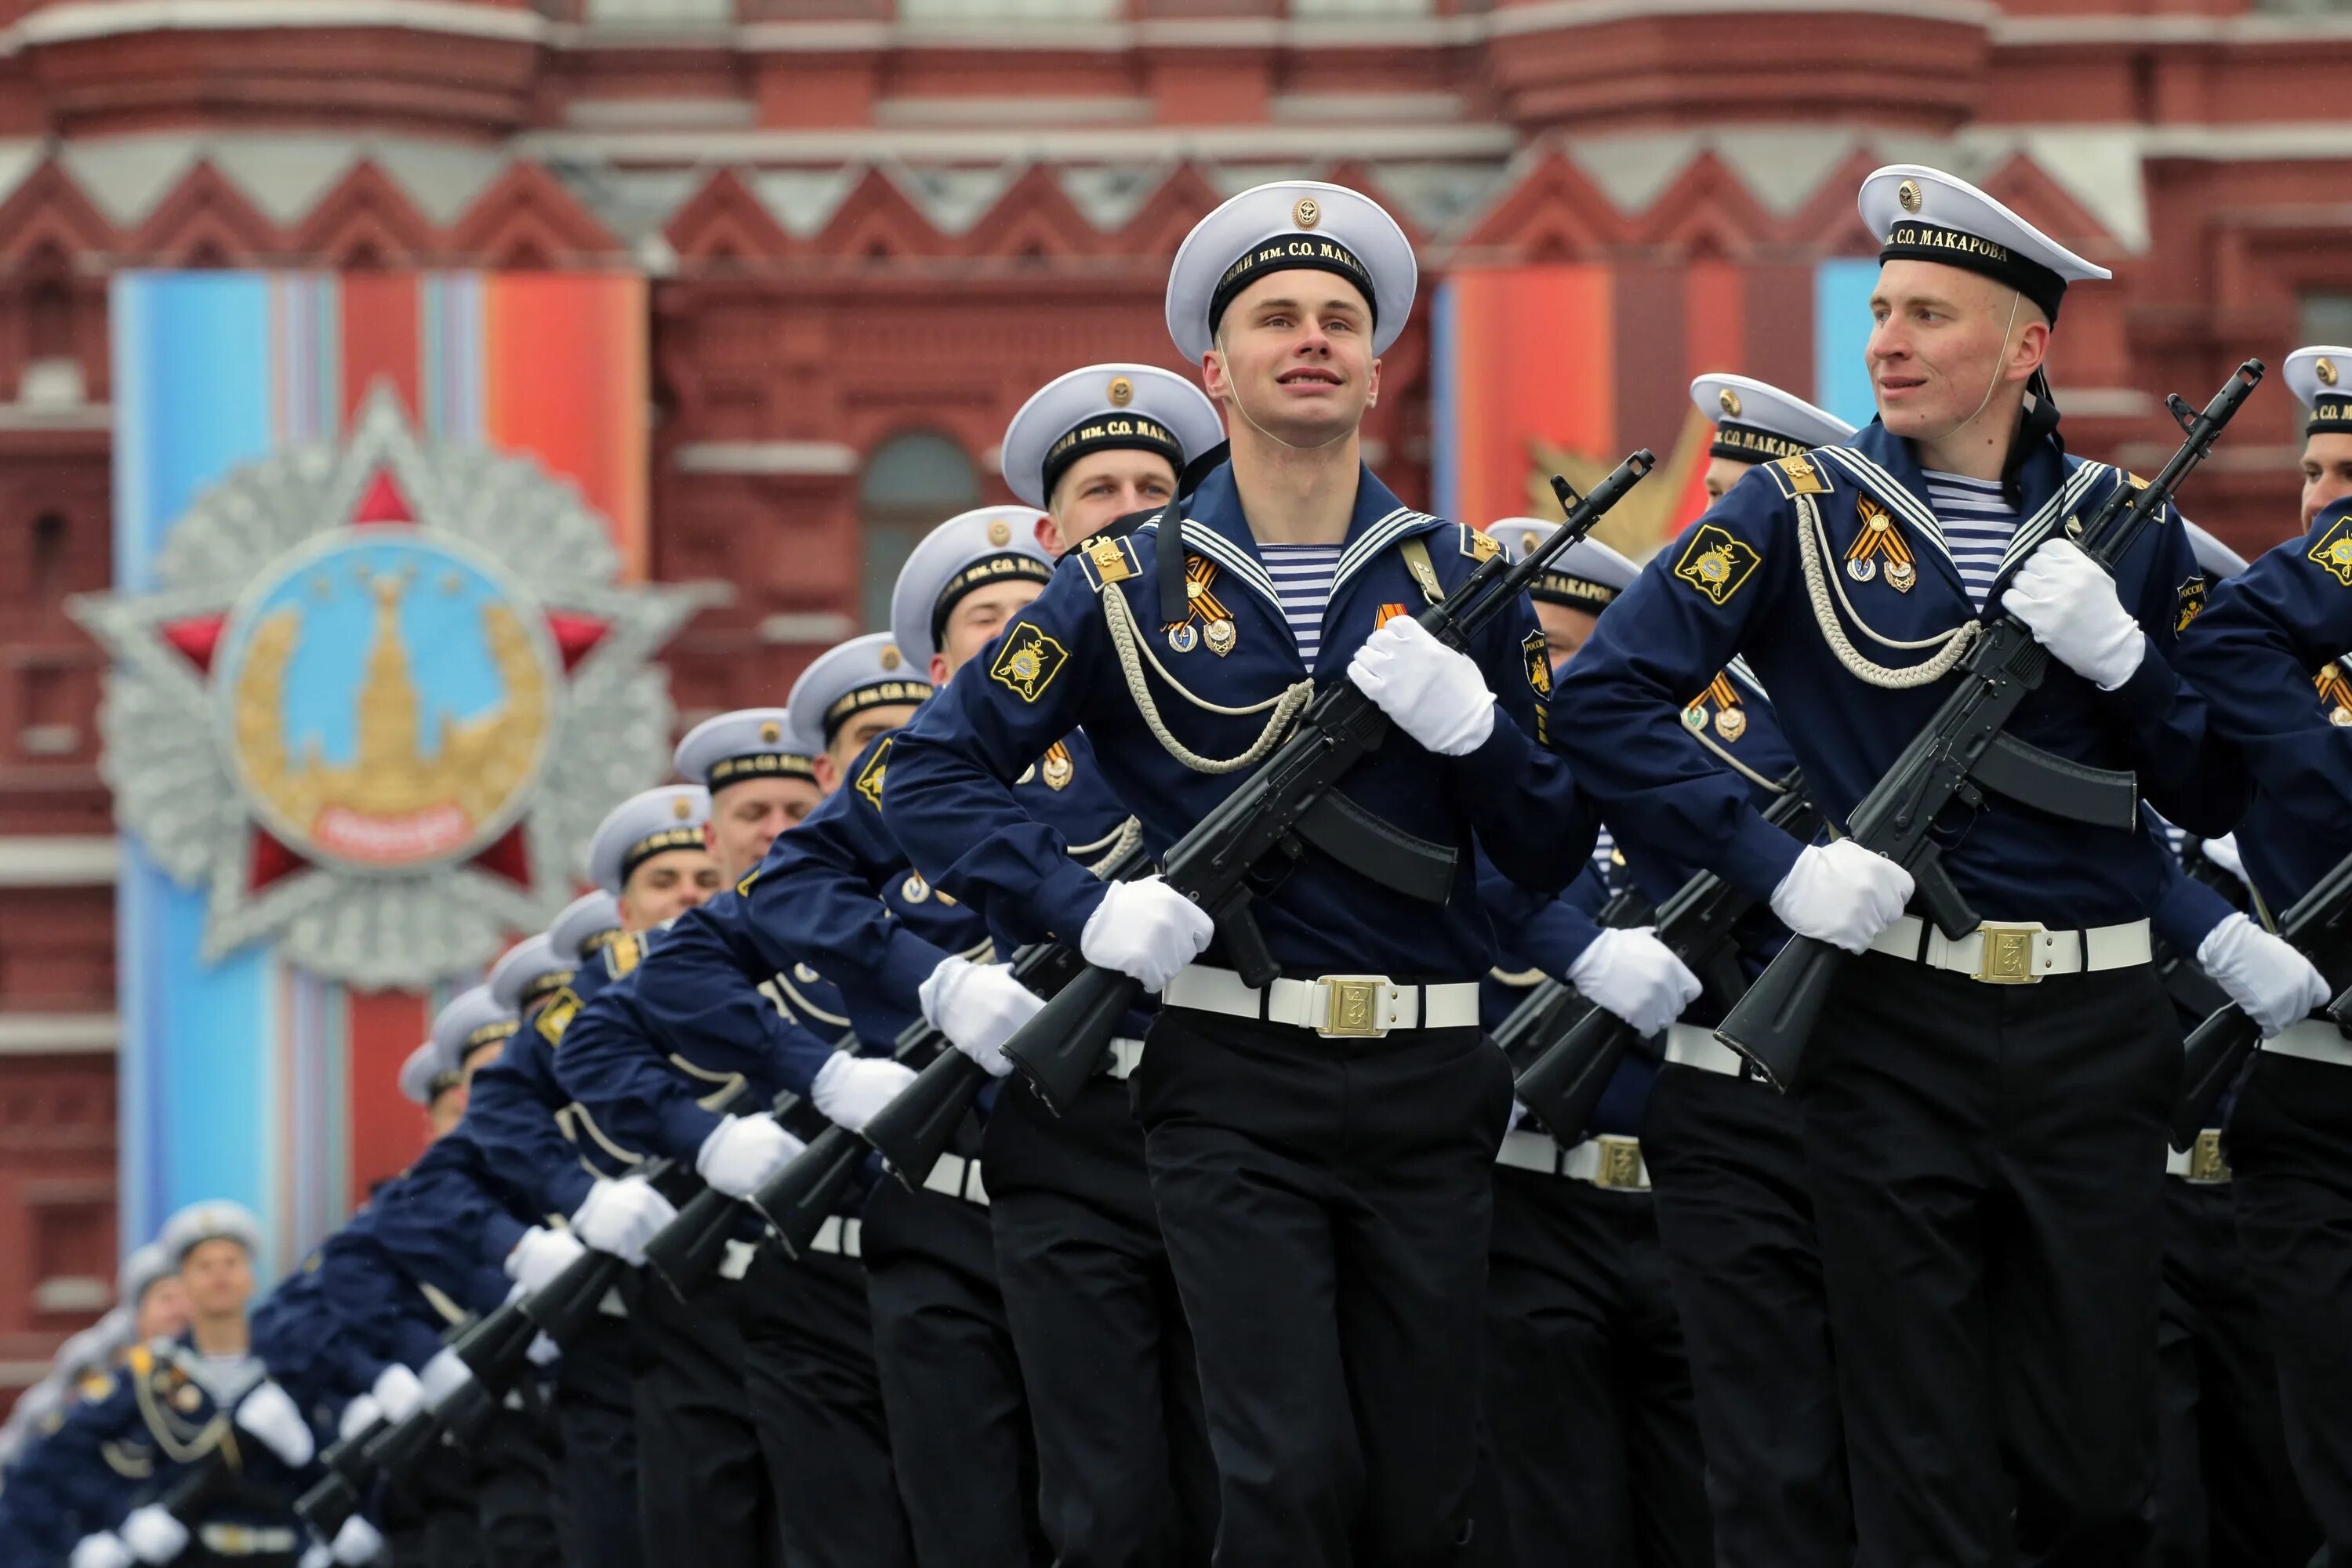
x,y
622,953
1109,561
2190,600
1798,475
2333,551
1715,563
1028,661
1538,662
869,777
557,1015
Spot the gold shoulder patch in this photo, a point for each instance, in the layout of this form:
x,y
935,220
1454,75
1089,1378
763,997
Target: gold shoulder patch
x,y
743,887
1109,561
1028,661
623,953
141,1361
869,777
1539,661
1798,475
557,1015
2188,602
1715,563
2333,551
1479,545
97,1385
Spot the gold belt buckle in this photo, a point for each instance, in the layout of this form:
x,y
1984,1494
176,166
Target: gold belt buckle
x,y
2205,1161
2007,955
1621,1162
1356,1006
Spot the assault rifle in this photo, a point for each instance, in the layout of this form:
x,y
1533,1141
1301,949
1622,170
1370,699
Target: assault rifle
x,y
495,1348
1579,1054
1293,802
1965,752
915,1128
2319,925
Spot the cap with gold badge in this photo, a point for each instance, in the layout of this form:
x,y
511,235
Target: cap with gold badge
x,y
643,826
1756,422
1926,215
1280,228
864,672
1587,575
426,1076
141,1269
215,1219
2320,377
587,925
527,974
748,743
968,552
1105,407
474,1018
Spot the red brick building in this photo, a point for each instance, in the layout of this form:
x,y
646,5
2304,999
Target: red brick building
x,y
874,226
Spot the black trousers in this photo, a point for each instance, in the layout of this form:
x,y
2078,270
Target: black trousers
x,y
515,1470
1124,1473
959,1432
2290,1144
703,1498
816,1399
1327,1205
1727,1160
595,1421
2225,1495
1587,1387
1987,1169
430,1521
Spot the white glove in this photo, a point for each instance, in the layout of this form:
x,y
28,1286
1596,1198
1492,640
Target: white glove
x,y
743,1153
444,1376
317,1554
1841,894
1433,693
359,1416
1518,1114
2069,603
849,1089
152,1535
2263,973
619,1218
1631,973
978,1006
540,1256
357,1543
269,1415
542,1351
2223,852
398,1392
100,1551
1146,928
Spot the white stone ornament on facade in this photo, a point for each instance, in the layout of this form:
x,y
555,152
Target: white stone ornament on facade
x,y
382,694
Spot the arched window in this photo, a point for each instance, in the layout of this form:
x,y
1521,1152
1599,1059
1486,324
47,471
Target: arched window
x,y
914,482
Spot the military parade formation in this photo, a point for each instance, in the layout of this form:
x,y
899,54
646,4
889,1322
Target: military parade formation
x,y
1257,1026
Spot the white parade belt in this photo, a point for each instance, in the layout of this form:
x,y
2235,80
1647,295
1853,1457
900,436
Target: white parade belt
x,y
1694,1046
2016,953
1336,1006
1123,1058
738,1260
838,1236
957,1178
2314,1041
1605,1162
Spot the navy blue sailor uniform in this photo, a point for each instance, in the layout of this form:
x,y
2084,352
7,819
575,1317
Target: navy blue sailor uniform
x,y
1376,1429
1586,1387
675,1022
837,890
1921,1079
2268,650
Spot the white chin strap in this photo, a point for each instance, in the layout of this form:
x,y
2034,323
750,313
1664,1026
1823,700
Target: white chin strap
x,y
1243,409
1991,386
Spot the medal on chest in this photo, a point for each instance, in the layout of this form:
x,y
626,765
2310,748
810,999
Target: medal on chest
x,y
1730,719
1206,619
2335,694
1879,548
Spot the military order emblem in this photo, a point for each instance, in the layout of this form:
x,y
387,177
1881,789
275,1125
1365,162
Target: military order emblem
x,y
1308,212
2334,551
345,712
1122,391
1908,193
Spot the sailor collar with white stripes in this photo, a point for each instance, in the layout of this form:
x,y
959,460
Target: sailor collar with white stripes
x,y
2056,492
1215,528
